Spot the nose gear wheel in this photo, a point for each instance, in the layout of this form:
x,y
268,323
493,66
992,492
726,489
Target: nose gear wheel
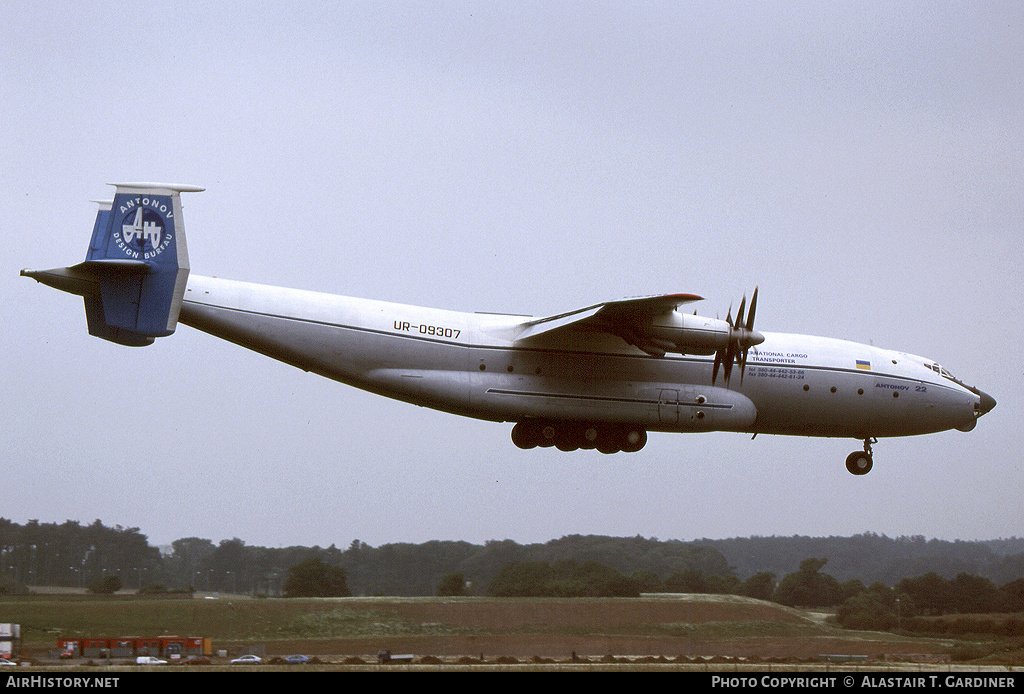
x,y
860,462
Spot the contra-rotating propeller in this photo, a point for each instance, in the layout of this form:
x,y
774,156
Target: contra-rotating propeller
x,y
741,338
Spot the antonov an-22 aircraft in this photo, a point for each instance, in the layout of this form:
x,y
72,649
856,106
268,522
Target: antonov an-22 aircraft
x,y
599,377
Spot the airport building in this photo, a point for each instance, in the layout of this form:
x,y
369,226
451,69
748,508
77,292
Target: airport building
x,y
10,636
134,646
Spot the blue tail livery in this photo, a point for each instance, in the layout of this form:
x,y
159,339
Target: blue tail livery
x,y
136,268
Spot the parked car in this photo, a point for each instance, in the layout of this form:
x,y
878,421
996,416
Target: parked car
x,y
196,660
297,659
247,660
149,660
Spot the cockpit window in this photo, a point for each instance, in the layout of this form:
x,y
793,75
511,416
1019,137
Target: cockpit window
x,y
942,372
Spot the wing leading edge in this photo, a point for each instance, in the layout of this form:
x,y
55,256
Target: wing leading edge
x,y
652,324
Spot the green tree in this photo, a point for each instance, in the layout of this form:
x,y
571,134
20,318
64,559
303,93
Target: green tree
x,y
808,587
851,588
688,581
561,579
723,585
188,563
974,594
107,585
315,579
932,594
761,586
866,610
877,607
648,581
451,585
1012,596
521,579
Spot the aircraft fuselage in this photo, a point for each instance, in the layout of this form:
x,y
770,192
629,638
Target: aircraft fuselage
x,y
472,365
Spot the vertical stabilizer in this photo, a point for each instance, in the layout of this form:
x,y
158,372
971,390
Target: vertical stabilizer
x,y
134,275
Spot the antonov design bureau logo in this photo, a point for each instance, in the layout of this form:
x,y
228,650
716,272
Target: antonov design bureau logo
x,y
143,233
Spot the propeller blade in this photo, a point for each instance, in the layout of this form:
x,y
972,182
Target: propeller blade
x,y
753,307
741,338
750,328
730,357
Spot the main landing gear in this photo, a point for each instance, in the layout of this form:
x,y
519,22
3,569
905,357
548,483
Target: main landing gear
x,y
860,462
571,436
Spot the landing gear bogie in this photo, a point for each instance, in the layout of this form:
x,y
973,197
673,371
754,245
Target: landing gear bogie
x,y
571,436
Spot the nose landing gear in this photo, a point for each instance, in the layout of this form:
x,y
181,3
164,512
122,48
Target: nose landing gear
x,y
860,462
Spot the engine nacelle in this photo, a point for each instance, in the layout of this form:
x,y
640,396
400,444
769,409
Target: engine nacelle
x,y
680,332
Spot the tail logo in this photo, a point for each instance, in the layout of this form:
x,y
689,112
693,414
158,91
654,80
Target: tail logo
x,y
143,231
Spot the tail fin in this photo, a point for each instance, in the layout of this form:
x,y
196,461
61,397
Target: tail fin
x,y
134,275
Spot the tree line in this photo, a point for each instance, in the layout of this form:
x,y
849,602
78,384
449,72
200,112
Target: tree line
x,y
895,578
73,555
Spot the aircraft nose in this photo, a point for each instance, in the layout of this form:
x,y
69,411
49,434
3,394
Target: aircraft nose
x,y
987,402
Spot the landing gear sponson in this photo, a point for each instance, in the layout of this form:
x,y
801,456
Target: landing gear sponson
x,y
571,436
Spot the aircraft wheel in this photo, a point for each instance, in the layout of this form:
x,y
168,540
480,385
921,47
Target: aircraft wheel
x,y
524,435
633,439
567,438
608,440
859,463
531,433
547,435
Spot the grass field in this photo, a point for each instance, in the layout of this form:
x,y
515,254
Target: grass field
x,y
669,626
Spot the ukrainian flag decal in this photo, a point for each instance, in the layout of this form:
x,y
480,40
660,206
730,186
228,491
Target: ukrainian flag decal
x,y
862,364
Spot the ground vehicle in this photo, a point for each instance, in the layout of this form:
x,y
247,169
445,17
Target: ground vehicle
x,y
247,660
297,659
149,660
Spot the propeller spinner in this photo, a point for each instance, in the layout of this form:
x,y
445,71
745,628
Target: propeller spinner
x,y
742,337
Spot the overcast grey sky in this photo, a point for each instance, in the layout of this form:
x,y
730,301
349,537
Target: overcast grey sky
x,y
861,162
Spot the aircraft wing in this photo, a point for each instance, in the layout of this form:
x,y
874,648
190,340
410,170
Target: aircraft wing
x,y
639,321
